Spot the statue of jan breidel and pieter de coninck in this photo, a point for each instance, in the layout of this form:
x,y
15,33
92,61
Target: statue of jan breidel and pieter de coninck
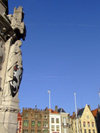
x,y
10,54
12,29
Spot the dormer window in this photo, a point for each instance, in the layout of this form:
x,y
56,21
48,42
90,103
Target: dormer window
x,y
84,124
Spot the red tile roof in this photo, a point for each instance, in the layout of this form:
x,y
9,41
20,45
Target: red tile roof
x,y
94,112
53,111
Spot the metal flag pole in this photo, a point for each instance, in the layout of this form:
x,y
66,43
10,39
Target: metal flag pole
x,y
76,113
99,93
49,92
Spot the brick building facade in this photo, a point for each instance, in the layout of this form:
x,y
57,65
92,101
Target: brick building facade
x,y
35,121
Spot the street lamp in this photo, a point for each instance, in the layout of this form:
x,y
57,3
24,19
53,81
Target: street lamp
x,y
99,93
49,92
76,113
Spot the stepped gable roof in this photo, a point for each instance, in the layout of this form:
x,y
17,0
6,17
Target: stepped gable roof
x,y
94,112
80,112
52,111
61,110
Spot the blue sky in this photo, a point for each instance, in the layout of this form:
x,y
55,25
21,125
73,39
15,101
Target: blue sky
x,y
61,53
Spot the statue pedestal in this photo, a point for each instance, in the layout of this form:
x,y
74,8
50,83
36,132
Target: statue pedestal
x,y
8,114
2,129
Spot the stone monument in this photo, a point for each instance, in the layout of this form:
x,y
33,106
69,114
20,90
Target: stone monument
x,y
12,29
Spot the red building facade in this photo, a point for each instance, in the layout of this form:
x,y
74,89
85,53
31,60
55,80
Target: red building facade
x,y
19,130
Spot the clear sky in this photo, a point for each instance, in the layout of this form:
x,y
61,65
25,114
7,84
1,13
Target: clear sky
x,y
61,53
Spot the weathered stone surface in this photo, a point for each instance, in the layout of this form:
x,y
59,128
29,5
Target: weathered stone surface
x,y
3,129
3,6
12,29
6,30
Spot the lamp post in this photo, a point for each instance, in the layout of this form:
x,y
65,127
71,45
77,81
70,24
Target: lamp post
x,y
49,92
76,113
99,93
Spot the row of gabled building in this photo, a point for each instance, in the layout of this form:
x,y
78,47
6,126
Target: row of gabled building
x,y
58,121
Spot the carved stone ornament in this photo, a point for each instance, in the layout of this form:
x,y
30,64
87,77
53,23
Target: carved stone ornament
x,y
6,109
12,30
15,82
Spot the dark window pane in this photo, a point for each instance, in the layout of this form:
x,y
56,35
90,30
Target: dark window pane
x,y
32,131
33,123
39,123
25,131
25,123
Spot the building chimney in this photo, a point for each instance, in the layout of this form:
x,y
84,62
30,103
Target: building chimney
x,y
56,108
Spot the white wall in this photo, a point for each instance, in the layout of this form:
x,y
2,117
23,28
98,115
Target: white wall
x,y
55,124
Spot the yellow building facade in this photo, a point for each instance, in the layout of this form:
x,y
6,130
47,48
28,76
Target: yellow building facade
x,y
85,122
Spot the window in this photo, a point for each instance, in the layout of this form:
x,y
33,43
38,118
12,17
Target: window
x,y
25,123
32,131
93,131
25,131
45,117
45,131
87,117
38,131
67,125
52,120
64,120
45,124
80,123
84,124
25,114
33,123
80,130
52,127
36,116
89,131
84,130
57,120
39,123
57,128
88,124
92,124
